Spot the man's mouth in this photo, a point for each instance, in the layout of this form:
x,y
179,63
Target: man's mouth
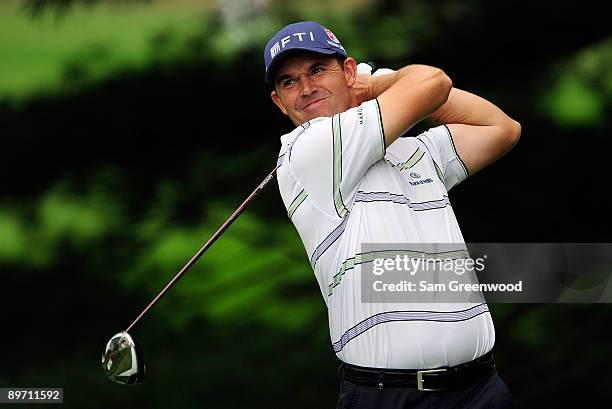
x,y
311,106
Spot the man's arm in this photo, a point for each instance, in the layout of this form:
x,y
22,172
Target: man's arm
x,y
482,133
405,97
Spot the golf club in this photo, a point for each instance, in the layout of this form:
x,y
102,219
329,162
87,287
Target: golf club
x,y
122,359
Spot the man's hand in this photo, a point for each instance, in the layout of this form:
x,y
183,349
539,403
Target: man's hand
x,y
364,87
369,86
410,95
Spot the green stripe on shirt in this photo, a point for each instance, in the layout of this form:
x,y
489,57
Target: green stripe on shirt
x,y
412,160
337,135
368,257
297,202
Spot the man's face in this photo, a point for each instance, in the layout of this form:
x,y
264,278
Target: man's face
x,y
310,85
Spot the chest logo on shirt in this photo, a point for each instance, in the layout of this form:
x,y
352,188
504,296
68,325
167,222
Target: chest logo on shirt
x,y
420,181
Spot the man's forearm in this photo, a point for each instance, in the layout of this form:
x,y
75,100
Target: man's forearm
x,y
463,107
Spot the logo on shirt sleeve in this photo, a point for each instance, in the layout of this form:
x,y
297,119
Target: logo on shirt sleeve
x,y
360,115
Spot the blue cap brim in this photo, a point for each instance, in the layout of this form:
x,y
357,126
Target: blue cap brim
x,y
280,57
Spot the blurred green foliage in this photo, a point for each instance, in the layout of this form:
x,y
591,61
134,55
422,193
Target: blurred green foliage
x,y
243,272
12,237
88,44
580,92
87,239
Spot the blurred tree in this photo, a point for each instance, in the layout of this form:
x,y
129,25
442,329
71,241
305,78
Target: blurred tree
x,y
578,91
59,7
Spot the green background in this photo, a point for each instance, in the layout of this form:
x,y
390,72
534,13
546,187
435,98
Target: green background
x,y
132,129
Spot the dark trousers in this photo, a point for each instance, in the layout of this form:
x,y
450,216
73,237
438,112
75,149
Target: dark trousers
x,y
488,392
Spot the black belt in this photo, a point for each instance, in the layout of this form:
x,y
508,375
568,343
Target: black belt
x,y
421,379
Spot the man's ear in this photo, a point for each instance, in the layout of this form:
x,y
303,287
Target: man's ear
x,y
350,71
278,102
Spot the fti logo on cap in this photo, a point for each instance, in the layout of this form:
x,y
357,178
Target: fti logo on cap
x,y
331,35
276,48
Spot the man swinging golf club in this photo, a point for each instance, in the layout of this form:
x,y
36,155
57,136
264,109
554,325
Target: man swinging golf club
x,y
347,178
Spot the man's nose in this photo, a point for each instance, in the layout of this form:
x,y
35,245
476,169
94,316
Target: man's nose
x,y
308,85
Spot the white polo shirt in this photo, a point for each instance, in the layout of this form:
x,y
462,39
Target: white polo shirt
x,y
341,189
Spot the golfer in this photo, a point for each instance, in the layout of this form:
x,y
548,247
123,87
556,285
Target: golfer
x,y
347,178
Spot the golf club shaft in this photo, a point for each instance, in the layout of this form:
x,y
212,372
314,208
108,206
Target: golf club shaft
x,y
209,243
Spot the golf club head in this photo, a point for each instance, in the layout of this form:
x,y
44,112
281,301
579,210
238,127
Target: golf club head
x,y
122,360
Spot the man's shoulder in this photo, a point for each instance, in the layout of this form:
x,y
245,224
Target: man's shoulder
x,y
315,125
290,136
289,139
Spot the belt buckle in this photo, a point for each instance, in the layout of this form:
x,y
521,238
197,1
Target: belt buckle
x,y
420,379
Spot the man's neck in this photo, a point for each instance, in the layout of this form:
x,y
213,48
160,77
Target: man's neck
x,y
354,100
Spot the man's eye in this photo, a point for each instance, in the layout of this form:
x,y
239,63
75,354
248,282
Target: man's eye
x,y
288,82
317,70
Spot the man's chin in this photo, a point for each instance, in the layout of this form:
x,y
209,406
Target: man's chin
x,y
307,116
304,118
316,114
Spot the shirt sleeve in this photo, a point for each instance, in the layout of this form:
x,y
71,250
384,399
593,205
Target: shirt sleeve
x,y
439,143
333,154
